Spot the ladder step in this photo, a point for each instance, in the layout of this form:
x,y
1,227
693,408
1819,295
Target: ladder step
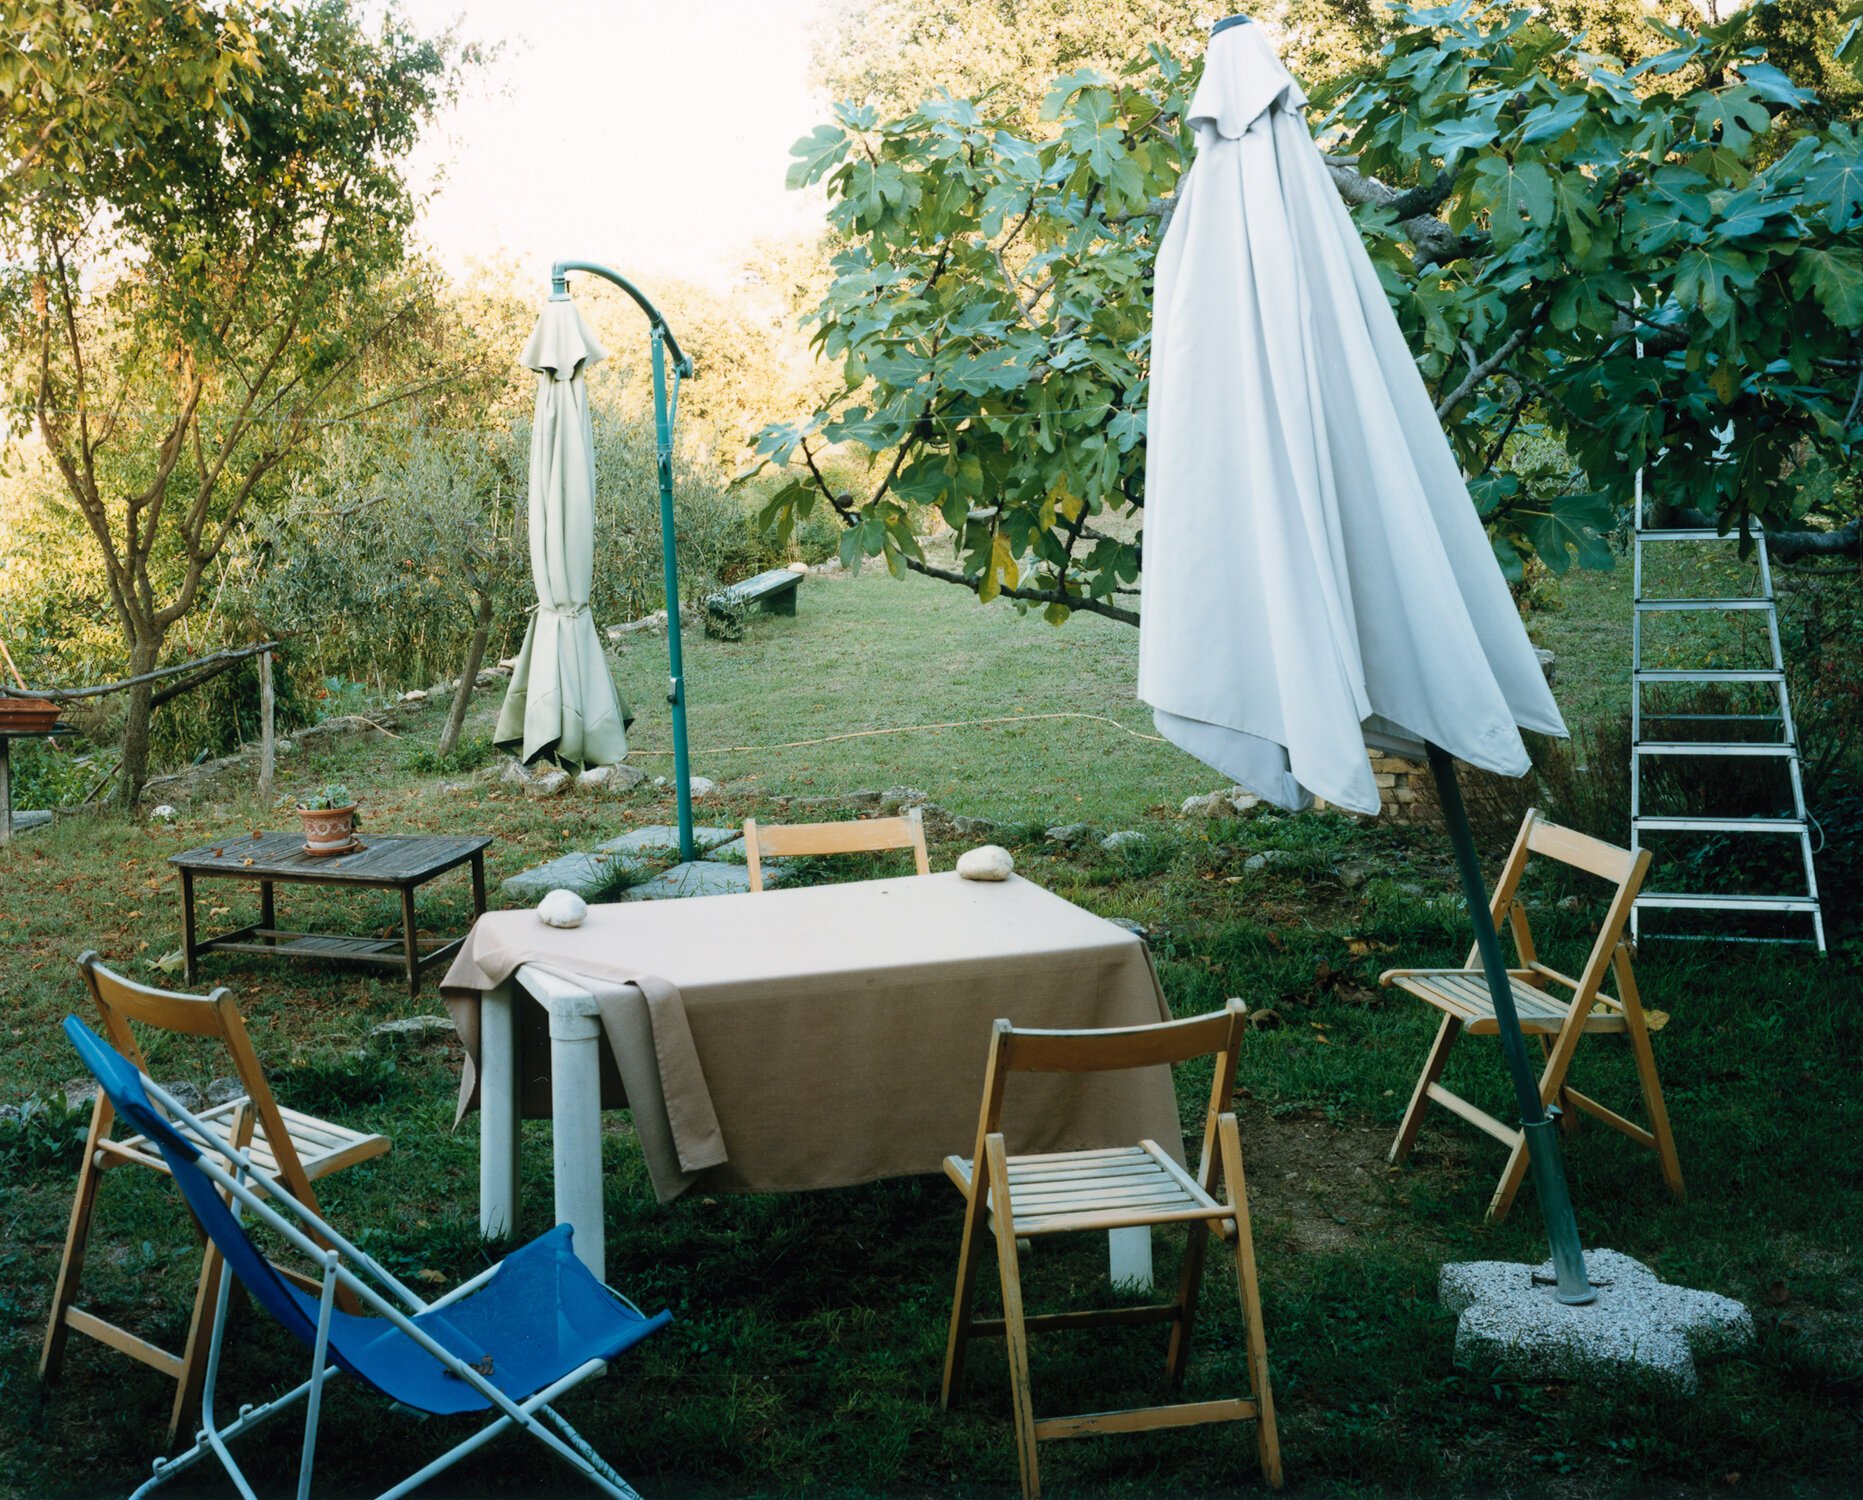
x,y
1721,825
1691,534
1668,606
1679,900
1709,674
1710,747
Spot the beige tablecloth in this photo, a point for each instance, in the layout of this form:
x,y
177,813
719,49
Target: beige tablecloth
x,y
831,1035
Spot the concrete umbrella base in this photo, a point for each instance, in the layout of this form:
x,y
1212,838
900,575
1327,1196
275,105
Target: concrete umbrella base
x,y
1638,1326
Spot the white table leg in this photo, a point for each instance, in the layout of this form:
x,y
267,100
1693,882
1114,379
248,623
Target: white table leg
x,y
498,1114
575,1107
1129,1256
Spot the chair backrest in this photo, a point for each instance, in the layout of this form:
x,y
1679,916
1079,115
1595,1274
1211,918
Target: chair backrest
x,y
862,836
1117,1049
121,1001
121,1082
1621,868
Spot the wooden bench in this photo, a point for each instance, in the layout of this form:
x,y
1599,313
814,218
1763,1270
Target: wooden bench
x,y
775,590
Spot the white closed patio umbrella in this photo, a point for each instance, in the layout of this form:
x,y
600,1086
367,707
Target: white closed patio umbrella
x,y
1315,577
562,702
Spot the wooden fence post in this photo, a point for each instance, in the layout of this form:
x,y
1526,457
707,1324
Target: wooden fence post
x,y
268,744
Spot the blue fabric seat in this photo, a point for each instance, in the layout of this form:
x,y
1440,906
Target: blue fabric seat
x,y
540,1316
537,1318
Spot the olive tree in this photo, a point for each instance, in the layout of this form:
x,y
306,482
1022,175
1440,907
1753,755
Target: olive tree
x,y
206,247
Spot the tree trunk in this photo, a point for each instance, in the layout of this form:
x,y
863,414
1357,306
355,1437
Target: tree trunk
x,y
462,695
143,652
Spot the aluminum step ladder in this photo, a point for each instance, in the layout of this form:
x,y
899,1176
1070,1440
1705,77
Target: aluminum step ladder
x,y
1783,748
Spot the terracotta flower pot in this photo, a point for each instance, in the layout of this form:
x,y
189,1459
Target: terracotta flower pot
x,y
27,715
329,830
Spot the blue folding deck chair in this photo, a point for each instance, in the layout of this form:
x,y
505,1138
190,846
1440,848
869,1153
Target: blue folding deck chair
x,y
510,1340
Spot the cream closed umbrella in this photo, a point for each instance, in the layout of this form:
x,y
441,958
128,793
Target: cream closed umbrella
x,y
1315,578
562,702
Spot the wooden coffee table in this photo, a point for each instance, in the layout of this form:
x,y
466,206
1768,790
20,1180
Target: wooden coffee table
x,y
387,862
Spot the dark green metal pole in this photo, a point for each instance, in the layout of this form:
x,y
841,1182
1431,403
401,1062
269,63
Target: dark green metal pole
x,y
669,556
1542,1134
664,406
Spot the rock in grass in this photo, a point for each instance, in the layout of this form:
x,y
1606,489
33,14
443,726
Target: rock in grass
x,y
990,862
562,909
1126,838
548,783
1067,835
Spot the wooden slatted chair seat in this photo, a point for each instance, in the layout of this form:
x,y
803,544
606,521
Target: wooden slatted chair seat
x,y
320,1146
1119,1188
1115,1187
1558,1009
1463,993
294,1148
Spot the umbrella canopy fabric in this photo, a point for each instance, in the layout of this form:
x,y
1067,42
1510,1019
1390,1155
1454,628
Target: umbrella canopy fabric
x,y
1316,579
561,701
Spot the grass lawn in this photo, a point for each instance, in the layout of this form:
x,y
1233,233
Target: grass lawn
x,y
806,1353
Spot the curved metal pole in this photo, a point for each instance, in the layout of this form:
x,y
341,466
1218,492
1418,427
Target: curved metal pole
x,y
664,405
559,290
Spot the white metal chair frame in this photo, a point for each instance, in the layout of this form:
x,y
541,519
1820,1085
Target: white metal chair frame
x,y
571,1446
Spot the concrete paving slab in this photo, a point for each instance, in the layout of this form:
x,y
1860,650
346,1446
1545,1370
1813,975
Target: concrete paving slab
x,y
702,877
663,838
588,875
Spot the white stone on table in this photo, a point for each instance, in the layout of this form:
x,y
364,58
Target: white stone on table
x,y
1638,1325
988,862
562,908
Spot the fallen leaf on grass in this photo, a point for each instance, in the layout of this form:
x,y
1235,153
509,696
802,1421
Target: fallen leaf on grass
x,y
1264,1020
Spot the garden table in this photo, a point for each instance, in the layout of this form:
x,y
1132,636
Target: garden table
x,y
789,1040
401,863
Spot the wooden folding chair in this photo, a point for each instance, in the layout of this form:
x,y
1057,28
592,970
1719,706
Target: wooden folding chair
x,y
1017,1197
866,835
295,1148
1558,1020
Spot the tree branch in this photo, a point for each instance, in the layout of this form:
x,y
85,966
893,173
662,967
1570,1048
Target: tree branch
x,y
71,695
1032,596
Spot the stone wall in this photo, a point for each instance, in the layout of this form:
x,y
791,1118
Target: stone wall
x,y
1406,790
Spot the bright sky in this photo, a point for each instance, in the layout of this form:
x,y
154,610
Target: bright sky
x,y
649,135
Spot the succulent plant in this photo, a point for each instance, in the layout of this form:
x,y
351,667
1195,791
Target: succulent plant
x,y
327,798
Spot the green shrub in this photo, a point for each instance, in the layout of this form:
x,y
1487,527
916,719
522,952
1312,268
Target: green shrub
x,y
45,1131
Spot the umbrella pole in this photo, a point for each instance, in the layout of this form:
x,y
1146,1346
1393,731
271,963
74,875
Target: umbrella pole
x,y
669,545
676,682
1542,1136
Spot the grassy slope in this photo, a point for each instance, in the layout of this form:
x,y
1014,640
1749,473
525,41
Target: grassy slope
x,y
807,1352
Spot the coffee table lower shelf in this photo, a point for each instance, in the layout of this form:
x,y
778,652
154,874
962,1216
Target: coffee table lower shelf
x,y
387,952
